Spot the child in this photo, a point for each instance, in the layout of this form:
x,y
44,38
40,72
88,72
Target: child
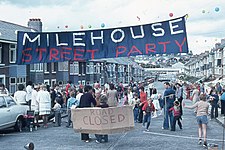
x,y
103,104
148,108
125,99
135,103
202,107
72,102
57,108
177,115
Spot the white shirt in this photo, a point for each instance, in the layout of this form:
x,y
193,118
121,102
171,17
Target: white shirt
x,y
34,102
20,97
79,96
29,93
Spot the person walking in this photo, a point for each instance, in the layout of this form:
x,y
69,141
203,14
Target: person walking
x,y
148,108
202,111
177,114
87,100
143,99
169,98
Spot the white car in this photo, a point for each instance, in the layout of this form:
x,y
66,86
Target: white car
x,y
11,113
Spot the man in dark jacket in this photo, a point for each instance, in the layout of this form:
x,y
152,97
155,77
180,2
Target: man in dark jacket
x,y
85,101
169,98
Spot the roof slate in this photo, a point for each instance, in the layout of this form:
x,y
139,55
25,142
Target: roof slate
x,y
8,31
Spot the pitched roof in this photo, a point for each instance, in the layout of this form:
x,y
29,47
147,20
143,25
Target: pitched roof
x,y
8,31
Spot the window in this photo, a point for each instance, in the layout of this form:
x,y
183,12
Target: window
x,y
2,102
36,67
12,53
74,68
98,68
46,68
90,68
1,52
12,80
10,101
53,67
2,79
53,82
63,66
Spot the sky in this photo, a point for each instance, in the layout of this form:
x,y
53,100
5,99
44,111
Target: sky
x,y
205,23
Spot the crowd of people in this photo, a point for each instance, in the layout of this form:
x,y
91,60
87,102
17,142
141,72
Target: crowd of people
x,y
50,102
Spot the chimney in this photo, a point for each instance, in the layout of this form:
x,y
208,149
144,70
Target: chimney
x,y
35,24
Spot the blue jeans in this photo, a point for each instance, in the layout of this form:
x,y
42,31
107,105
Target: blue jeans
x,y
147,118
101,138
214,110
135,114
168,119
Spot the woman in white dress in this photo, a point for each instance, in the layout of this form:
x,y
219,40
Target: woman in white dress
x,y
44,100
155,102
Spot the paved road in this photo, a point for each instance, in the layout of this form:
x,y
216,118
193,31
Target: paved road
x,y
62,138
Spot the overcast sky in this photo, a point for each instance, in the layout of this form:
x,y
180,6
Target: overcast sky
x,y
205,23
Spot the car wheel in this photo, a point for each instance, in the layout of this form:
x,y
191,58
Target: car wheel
x,y
19,124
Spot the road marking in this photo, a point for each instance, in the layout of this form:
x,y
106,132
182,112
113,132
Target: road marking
x,y
179,136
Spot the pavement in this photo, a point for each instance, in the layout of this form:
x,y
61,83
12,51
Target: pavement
x,y
220,119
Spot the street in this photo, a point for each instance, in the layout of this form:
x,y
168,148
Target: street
x,y
62,138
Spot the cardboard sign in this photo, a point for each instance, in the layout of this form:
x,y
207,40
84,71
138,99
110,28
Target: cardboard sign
x,y
103,120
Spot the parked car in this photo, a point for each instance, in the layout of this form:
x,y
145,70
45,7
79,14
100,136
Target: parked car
x,y
11,113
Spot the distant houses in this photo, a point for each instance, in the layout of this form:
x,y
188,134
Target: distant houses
x,y
208,65
113,70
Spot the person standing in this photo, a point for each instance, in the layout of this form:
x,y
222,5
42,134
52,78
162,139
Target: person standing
x,y
20,95
34,103
179,96
202,111
223,102
214,99
177,114
150,86
143,99
79,94
72,102
29,90
112,96
103,104
3,89
135,103
155,100
57,112
195,95
44,100
169,98
87,100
